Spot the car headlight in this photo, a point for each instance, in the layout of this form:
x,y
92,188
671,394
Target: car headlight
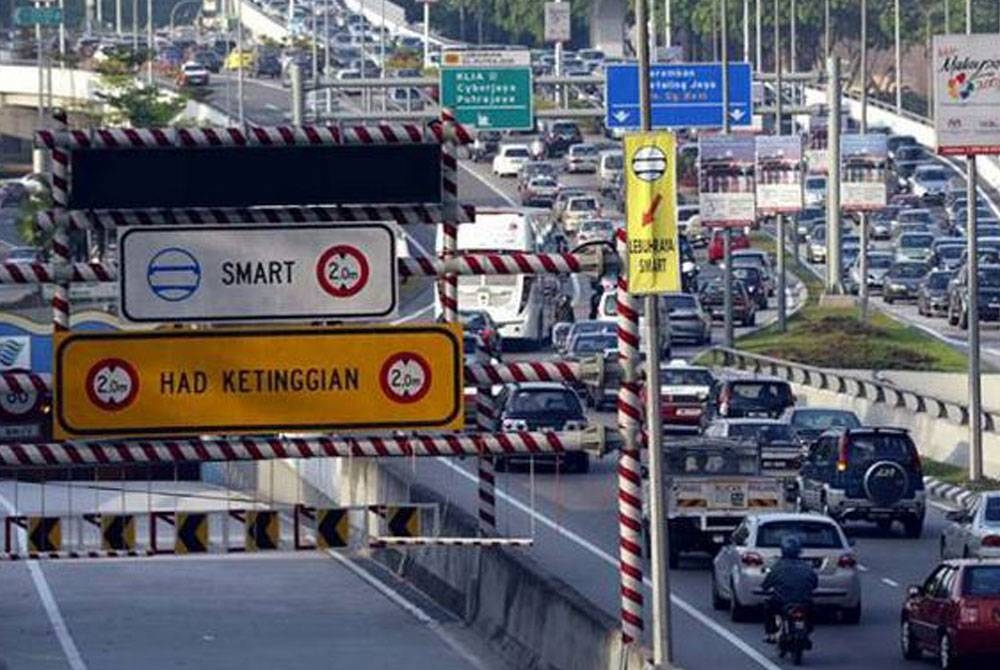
x,y
575,425
514,425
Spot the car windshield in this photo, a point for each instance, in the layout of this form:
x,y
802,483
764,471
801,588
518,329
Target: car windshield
x,y
777,392
870,446
916,240
748,275
915,216
939,280
879,261
597,226
989,278
592,344
932,175
516,152
764,432
950,251
585,327
582,205
982,581
544,402
679,301
992,512
543,182
811,534
564,128
821,419
712,462
815,183
908,270
685,377
583,150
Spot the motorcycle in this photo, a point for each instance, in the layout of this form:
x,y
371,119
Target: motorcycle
x,y
793,633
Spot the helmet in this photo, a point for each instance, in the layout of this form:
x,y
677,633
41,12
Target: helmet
x,y
791,547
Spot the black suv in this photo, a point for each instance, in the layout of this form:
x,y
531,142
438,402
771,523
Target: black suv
x,y
748,397
559,136
527,406
989,295
868,474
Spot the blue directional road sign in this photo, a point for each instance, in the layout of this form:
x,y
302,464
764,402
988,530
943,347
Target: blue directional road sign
x,y
682,95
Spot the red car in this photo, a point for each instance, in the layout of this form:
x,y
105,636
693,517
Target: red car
x,y
954,614
716,248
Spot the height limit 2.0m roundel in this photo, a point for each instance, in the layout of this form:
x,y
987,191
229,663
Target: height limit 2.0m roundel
x,y
649,163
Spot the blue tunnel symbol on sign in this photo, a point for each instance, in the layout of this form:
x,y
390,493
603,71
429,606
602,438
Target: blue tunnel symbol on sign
x,y
174,274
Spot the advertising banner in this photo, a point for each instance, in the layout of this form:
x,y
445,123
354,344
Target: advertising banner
x,y
651,213
966,77
863,163
779,174
726,180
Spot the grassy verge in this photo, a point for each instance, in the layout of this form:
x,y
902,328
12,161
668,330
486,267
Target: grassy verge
x,y
834,337
953,474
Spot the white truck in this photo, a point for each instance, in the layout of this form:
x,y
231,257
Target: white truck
x,y
711,485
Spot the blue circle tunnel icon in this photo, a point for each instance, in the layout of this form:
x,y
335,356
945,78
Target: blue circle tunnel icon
x,y
173,274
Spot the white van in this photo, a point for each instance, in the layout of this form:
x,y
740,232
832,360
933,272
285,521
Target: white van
x,y
523,306
610,163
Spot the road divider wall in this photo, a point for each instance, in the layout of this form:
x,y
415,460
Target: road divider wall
x,y
528,617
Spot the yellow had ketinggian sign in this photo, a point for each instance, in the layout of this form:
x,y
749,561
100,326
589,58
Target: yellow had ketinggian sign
x,y
252,381
654,264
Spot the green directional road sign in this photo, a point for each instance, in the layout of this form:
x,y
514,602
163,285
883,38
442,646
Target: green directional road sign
x,y
37,16
487,96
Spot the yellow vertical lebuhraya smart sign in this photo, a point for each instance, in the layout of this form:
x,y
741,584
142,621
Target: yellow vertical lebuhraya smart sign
x,y
654,264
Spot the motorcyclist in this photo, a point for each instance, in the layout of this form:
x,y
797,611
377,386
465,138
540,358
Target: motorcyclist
x,y
790,581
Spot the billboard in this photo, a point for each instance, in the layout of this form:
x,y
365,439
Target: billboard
x,y
654,264
726,180
863,171
966,79
779,174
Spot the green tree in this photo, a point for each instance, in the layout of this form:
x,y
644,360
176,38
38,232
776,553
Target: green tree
x,y
132,103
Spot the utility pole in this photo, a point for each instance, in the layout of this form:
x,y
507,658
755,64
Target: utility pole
x,y
826,29
833,271
149,42
863,258
899,64
662,649
118,17
558,54
239,71
668,29
779,217
793,64
746,31
327,73
975,389
727,240
758,28
427,34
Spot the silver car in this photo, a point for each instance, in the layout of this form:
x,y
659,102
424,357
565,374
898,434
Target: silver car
x,y
974,533
739,569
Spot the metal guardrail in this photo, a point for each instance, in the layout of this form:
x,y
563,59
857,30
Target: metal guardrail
x,y
859,387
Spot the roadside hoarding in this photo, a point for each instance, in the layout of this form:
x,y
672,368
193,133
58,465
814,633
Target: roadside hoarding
x,y
557,22
210,273
863,171
251,381
779,174
651,213
966,79
726,180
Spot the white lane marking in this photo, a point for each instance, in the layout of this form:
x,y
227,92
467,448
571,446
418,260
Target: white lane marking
x,y
690,609
59,627
496,189
411,317
273,107
862,568
941,506
410,607
889,582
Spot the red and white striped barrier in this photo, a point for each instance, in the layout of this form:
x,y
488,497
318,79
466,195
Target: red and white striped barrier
x,y
590,261
277,136
383,542
400,214
257,449
45,273
629,461
60,236
486,374
20,382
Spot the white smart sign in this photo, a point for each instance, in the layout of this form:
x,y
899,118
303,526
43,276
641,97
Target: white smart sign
x,y
967,94
257,273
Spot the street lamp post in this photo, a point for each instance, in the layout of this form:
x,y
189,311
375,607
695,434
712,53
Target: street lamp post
x,y
899,64
779,218
863,256
793,64
758,28
972,253
826,29
727,239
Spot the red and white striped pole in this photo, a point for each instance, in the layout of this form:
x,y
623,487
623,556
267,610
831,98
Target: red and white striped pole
x,y
60,237
486,423
629,461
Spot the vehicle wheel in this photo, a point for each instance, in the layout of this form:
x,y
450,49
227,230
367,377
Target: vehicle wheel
x,y
753,319
718,602
952,318
737,612
825,510
852,615
887,299
884,526
946,654
913,527
674,556
963,319
907,644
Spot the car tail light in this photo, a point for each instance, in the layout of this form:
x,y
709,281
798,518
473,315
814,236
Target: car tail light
x,y
842,447
847,561
969,613
751,558
991,541
724,397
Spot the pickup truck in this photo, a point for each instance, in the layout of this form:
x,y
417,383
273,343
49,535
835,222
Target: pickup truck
x,y
712,484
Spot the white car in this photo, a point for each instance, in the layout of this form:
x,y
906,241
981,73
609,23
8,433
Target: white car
x,y
814,190
581,158
593,230
739,569
509,159
193,74
929,183
580,208
974,533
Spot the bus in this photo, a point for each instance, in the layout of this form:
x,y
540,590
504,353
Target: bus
x,y
523,306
